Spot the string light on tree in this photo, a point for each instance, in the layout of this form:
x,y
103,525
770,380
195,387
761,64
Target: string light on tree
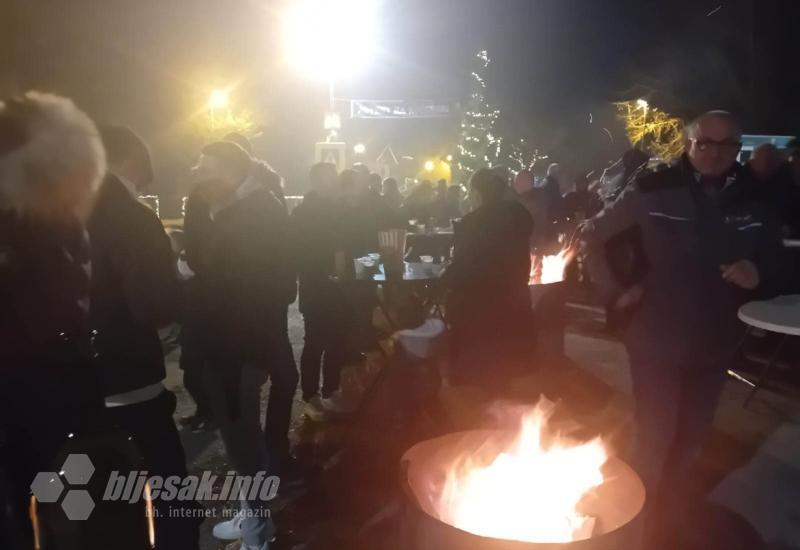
x,y
651,129
479,145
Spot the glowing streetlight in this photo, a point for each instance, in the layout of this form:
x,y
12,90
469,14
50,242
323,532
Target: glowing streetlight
x,y
642,104
449,158
329,39
359,149
429,165
218,99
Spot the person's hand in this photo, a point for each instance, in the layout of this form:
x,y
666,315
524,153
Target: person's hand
x,y
743,273
629,298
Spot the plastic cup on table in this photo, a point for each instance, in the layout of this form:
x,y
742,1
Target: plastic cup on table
x,y
360,268
427,265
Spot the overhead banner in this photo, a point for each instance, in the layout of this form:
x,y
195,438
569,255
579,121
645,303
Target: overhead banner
x,y
399,108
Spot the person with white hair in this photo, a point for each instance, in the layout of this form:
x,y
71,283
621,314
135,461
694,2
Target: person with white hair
x,y
51,163
706,245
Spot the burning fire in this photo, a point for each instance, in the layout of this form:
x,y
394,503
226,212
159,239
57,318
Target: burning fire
x,y
549,269
527,490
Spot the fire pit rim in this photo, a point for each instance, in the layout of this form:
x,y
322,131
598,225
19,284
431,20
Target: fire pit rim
x,y
410,495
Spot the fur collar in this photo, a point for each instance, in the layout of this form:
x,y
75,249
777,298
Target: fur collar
x,y
53,173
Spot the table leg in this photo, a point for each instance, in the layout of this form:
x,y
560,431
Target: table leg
x,y
763,377
731,372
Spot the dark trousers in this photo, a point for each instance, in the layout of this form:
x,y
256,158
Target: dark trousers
x,y
270,355
283,377
675,406
153,430
193,363
242,435
323,347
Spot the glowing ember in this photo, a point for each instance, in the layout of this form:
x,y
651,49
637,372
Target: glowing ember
x,y
524,489
549,269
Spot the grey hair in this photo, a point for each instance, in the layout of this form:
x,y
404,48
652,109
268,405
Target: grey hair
x,y
55,168
694,125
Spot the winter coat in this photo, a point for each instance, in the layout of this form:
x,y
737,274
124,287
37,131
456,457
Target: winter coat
x,y
134,289
688,312
249,278
316,228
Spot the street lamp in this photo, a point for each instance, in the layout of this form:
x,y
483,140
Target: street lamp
x,y
359,149
429,165
329,39
218,99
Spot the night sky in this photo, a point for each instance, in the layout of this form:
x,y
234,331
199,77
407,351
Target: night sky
x,y
151,63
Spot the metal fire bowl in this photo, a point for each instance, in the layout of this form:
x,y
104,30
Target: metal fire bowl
x,y
615,504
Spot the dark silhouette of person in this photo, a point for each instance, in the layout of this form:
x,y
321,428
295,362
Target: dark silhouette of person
x,y
249,282
391,194
134,294
489,306
316,229
772,175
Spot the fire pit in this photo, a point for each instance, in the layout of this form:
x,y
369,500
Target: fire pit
x,y
514,490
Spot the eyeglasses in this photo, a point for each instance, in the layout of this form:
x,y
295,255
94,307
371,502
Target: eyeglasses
x,y
707,144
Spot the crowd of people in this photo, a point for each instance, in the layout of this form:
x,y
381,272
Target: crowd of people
x,y
88,278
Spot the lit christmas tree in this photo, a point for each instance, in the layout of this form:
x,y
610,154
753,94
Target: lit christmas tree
x,y
480,145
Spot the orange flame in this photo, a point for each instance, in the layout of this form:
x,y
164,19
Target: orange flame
x,y
528,490
550,268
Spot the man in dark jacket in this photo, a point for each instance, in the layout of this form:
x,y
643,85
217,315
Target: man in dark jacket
x,y
709,247
316,230
489,307
249,280
134,294
773,177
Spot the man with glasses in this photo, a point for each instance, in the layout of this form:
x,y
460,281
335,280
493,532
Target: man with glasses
x,y
706,247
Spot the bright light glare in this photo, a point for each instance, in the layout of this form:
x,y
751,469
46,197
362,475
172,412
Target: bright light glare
x,y
642,104
329,39
429,166
449,158
333,121
218,99
359,149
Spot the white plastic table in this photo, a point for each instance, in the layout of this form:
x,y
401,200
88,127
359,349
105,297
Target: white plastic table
x,y
780,315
